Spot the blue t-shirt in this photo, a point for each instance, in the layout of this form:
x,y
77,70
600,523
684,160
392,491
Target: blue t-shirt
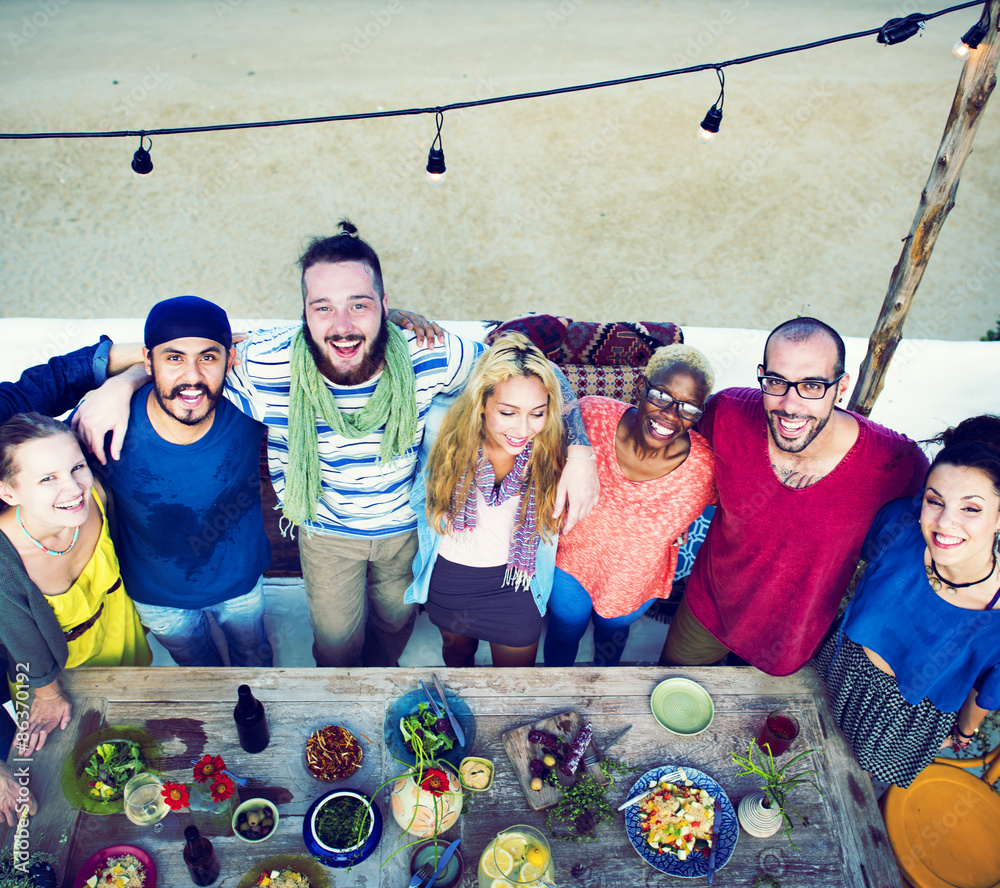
x,y
936,649
190,531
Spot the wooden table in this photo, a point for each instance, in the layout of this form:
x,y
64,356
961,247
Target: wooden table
x,y
190,712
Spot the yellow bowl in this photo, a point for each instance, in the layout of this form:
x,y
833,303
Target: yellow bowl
x,y
472,761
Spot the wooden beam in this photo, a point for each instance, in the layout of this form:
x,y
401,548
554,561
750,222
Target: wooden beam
x,y
936,201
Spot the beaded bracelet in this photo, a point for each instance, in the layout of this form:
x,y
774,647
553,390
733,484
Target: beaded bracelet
x,y
959,739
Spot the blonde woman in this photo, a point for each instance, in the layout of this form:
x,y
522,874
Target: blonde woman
x,y
487,532
63,600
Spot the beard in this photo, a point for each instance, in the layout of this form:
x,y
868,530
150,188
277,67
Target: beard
x,y
798,444
171,404
371,362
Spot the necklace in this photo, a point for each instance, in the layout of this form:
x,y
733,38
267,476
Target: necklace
x,y
952,588
45,549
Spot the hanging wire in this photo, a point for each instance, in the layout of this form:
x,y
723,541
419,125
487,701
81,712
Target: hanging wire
x,y
495,100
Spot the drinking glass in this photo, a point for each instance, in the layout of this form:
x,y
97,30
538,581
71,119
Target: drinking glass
x,y
780,729
519,856
145,805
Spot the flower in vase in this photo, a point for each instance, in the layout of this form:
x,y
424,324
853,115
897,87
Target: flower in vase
x,y
175,795
208,768
221,787
436,782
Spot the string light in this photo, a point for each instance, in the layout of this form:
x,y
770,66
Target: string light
x,y
972,38
893,31
142,163
710,125
436,170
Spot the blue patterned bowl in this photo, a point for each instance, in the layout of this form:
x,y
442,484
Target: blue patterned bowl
x,y
341,857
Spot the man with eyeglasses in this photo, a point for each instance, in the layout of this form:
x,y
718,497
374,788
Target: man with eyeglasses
x,y
799,483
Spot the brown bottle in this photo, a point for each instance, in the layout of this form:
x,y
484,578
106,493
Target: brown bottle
x,y
199,855
251,722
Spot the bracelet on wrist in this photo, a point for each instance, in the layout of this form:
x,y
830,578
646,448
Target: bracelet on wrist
x,y
592,456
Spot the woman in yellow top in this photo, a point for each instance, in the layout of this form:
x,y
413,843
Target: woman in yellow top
x,y
61,593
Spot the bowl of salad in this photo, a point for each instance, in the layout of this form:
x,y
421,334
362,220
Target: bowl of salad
x,y
674,827
411,724
96,771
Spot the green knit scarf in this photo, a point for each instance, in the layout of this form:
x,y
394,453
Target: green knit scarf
x,y
393,405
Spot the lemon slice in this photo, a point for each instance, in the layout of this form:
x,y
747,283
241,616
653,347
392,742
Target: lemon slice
x,y
530,872
515,843
499,883
497,862
536,856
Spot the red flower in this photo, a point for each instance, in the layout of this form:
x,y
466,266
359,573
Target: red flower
x,y
436,782
221,787
176,795
208,767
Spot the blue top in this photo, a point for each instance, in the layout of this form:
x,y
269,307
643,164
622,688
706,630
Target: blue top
x,y
55,387
430,540
189,527
936,649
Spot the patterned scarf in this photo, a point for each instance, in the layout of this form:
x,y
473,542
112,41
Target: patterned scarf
x,y
393,405
524,541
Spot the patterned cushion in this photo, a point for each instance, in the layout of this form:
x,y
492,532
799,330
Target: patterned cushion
x,y
621,383
564,341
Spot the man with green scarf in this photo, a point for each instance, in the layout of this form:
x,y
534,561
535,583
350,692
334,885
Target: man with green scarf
x,y
344,398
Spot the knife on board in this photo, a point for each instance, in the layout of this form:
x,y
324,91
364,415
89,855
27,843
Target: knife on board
x,y
459,733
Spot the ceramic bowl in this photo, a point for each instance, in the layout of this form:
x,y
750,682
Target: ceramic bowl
x,y
476,760
341,857
431,850
248,805
407,705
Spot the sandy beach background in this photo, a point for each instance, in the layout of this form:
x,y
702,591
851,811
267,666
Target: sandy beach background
x,y
597,205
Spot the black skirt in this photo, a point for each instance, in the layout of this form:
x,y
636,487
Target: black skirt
x,y
891,737
475,602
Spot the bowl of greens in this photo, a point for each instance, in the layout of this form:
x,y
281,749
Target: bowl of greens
x,y
342,828
410,724
95,774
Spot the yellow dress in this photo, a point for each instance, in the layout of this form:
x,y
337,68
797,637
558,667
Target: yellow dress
x,y
97,615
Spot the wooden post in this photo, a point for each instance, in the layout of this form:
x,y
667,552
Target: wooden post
x,y
936,200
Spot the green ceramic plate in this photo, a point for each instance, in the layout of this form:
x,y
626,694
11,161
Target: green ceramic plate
x,y
75,783
299,863
682,706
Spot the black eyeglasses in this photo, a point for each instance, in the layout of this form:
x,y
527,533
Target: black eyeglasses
x,y
665,402
810,389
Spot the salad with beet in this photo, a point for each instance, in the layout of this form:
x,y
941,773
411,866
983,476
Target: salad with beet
x,y
425,734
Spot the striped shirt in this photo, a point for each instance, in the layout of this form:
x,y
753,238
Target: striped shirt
x,y
361,496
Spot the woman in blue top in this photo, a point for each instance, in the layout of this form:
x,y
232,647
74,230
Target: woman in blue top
x,y
490,500
915,666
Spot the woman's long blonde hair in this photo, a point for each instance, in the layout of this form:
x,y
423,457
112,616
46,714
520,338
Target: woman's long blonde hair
x,y
453,457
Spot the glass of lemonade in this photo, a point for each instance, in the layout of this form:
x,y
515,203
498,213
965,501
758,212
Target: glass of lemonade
x,y
144,805
518,856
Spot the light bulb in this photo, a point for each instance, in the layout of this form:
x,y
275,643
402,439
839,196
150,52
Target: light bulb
x,y
961,51
710,125
436,169
142,163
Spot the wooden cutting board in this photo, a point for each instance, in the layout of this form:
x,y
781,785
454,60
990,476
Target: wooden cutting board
x,y
520,752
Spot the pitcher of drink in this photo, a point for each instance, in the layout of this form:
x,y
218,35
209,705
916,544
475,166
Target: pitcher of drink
x,y
519,857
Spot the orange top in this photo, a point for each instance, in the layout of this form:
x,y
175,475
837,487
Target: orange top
x,y
625,551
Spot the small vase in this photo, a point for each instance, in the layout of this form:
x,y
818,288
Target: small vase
x,y
423,813
211,817
756,819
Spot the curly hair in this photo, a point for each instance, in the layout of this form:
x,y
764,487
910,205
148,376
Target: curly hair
x,y
452,464
685,356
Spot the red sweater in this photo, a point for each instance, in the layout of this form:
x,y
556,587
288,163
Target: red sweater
x,y
774,566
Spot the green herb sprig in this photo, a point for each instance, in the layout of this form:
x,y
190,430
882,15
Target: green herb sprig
x,y
584,806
